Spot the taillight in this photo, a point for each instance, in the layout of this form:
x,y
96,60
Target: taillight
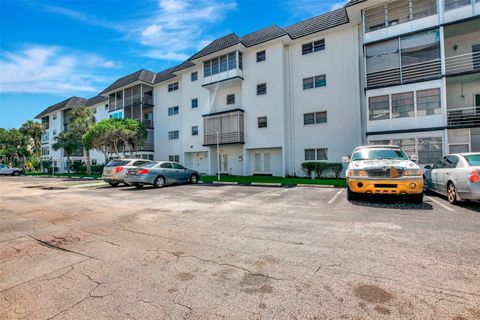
x,y
143,171
474,176
118,169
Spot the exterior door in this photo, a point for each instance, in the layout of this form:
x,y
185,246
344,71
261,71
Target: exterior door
x,y
262,162
223,163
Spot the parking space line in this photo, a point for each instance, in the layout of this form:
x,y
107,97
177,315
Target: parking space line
x,y
335,196
441,204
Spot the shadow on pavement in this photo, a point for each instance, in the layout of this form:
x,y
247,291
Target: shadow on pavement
x,y
390,202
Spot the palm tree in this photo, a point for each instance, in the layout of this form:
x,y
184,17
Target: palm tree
x,y
67,141
35,131
82,120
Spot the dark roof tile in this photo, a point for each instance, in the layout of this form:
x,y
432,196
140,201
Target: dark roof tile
x,y
217,45
263,35
140,75
95,100
164,75
184,65
316,24
67,103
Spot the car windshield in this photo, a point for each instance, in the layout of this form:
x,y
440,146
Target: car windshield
x,y
379,154
116,163
473,160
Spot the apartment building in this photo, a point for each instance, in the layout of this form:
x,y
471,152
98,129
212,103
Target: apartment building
x,y
56,119
404,72
421,74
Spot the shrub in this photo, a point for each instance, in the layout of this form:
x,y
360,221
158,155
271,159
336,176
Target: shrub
x,y
321,167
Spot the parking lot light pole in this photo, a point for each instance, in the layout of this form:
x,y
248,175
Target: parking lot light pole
x,y
218,156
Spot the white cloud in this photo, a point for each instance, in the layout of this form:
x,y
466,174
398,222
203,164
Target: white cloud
x,y
51,69
176,28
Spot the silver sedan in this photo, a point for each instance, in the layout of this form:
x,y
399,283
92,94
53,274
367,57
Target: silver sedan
x,y
456,176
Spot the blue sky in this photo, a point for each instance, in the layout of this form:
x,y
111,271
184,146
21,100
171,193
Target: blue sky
x,y
51,50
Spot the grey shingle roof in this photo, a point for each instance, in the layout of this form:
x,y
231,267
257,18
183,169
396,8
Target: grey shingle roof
x,y
140,75
67,103
164,75
263,35
95,100
184,65
354,2
316,24
217,45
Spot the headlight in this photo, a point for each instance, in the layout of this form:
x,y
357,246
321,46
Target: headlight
x,y
357,173
413,173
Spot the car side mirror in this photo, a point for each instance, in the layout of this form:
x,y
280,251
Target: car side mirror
x,y
346,159
414,157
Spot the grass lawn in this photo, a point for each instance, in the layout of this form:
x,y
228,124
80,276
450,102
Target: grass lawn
x,y
268,179
64,175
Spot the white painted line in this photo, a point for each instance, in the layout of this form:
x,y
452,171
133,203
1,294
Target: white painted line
x,y
271,184
441,204
335,196
225,182
315,185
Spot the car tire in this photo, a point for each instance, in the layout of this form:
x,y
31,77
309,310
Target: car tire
x,y
15,173
425,184
351,195
114,184
138,185
194,179
416,198
159,182
452,196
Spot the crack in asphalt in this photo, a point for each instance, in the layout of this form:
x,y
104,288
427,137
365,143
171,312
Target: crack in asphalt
x,y
55,247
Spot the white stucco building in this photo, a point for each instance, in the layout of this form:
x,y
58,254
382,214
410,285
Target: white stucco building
x,y
403,72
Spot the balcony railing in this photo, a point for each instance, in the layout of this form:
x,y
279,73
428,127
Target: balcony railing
x,y
223,128
147,99
463,117
469,62
45,137
405,74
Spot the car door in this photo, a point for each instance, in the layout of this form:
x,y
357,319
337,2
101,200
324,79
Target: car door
x,y
435,172
181,172
445,174
168,172
3,169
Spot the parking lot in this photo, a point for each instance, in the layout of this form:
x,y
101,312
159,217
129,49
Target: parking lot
x,y
80,250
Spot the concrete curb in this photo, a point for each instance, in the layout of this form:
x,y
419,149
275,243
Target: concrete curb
x,y
267,184
225,182
315,185
88,185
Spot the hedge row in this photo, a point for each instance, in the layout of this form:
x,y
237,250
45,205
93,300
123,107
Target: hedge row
x,y
321,167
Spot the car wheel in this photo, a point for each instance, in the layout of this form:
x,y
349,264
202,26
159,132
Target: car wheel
x,y
194,179
159,182
351,195
114,184
451,193
416,198
138,185
15,173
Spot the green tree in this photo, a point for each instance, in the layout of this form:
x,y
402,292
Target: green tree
x,y
82,121
14,145
69,142
34,130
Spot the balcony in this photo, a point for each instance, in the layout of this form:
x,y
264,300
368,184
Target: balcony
x,y
464,63
226,69
405,74
45,137
463,117
223,128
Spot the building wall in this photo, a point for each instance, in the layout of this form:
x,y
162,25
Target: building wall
x,y
460,94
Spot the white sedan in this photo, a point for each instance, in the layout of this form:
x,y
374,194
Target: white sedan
x,y
5,169
456,176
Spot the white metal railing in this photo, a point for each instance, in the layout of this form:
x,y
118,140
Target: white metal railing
x,y
463,116
411,72
463,63
224,128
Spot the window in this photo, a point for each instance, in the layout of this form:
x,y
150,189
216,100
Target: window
x,y
173,158
429,149
382,56
408,145
428,102
314,82
117,115
172,135
261,56
316,154
168,165
261,89
173,111
420,47
94,110
106,107
194,103
313,46
315,118
55,116
220,64
178,166
93,162
403,105
194,76
45,151
195,131
173,87
230,99
453,4
54,132
262,122
379,108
